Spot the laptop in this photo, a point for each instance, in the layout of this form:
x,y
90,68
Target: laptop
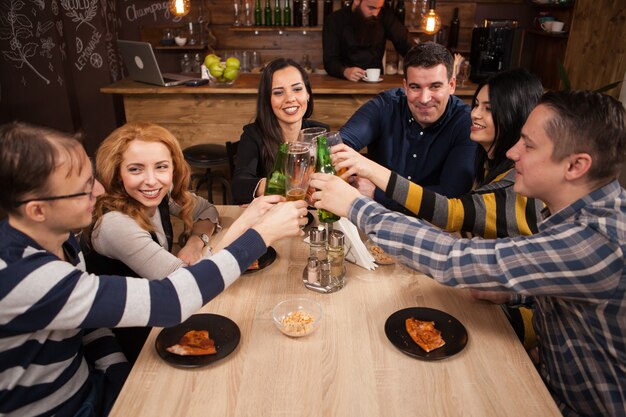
x,y
142,65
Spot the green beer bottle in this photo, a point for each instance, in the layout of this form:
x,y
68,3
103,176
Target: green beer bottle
x,y
268,13
287,14
278,14
326,166
258,14
275,183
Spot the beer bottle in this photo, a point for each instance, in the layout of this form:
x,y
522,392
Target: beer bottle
x,y
268,13
287,14
275,183
312,12
297,12
328,7
453,35
324,165
258,15
278,14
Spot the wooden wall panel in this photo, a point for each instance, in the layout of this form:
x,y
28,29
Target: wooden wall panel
x,y
596,50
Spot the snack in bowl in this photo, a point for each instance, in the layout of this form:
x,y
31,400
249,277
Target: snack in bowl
x,y
424,334
194,343
297,317
380,256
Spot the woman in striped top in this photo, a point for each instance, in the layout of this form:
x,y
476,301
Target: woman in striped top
x,y
492,209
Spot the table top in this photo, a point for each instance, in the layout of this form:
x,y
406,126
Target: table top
x,y
249,83
347,367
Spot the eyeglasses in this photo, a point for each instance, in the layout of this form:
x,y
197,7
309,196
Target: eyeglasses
x,y
92,182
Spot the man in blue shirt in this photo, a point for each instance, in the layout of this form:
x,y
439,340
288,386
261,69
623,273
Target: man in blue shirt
x,y
570,153
421,131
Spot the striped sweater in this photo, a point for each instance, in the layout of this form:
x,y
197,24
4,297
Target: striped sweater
x,y
47,305
490,211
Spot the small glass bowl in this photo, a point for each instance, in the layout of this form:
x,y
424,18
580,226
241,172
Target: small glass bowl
x,y
214,81
297,317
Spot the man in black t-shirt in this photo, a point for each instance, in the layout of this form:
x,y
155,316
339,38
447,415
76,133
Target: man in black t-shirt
x,y
354,38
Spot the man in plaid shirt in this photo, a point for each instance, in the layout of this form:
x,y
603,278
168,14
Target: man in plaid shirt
x,y
569,155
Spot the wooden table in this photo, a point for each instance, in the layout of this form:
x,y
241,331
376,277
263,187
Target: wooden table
x,y
209,114
347,367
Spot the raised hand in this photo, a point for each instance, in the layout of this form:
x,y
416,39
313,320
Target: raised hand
x,y
344,156
333,193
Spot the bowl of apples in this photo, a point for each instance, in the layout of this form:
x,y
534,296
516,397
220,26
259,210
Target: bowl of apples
x,y
222,73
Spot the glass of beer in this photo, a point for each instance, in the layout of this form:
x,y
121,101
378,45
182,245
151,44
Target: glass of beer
x,y
297,171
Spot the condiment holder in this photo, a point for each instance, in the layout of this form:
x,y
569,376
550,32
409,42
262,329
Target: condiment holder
x,y
325,271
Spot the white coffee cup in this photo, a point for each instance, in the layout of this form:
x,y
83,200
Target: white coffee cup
x,y
557,26
372,74
547,26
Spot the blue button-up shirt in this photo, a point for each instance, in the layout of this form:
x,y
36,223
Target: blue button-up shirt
x,y
574,268
439,157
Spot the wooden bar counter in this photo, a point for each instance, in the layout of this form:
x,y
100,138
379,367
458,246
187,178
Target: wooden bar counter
x,y
347,367
208,114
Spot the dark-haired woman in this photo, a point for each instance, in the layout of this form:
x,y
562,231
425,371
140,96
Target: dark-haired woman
x,y
284,102
492,209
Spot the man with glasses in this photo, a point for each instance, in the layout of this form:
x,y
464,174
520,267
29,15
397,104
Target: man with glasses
x,y
56,357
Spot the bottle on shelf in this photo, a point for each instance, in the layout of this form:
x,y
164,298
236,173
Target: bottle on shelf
x,y
297,12
305,12
312,12
400,11
287,14
325,165
455,24
268,13
237,13
275,183
328,7
258,14
278,14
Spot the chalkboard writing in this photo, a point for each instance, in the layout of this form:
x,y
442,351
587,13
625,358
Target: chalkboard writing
x,y
133,12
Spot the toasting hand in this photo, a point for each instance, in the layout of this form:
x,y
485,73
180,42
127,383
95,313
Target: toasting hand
x,y
333,193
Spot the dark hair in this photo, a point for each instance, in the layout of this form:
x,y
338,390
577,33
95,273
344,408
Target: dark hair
x,y
28,156
512,96
265,117
588,122
429,55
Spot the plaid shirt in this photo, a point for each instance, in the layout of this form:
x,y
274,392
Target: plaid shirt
x,y
574,269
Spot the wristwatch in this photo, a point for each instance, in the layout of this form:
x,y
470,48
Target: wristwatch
x,y
205,239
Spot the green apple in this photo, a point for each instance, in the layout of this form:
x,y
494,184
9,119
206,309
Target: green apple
x,y
216,69
233,62
231,73
210,60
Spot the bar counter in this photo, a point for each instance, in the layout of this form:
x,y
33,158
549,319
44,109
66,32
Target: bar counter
x,y
209,114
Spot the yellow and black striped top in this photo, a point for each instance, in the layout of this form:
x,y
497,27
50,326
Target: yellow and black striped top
x,y
491,211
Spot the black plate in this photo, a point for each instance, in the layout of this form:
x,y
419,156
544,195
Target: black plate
x,y
452,331
265,260
222,330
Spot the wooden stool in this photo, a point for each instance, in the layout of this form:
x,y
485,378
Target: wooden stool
x,y
208,156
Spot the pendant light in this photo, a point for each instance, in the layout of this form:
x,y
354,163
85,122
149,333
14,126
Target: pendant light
x,y
179,7
431,23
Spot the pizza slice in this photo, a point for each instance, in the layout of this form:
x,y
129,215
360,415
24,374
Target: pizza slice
x,y
424,334
194,343
255,265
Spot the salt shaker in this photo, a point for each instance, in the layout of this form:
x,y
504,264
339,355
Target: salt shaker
x,y
325,278
317,243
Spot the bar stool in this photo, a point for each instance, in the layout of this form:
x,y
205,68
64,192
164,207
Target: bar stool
x,y
208,156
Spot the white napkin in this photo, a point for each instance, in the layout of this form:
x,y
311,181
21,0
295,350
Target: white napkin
x,y
356,251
